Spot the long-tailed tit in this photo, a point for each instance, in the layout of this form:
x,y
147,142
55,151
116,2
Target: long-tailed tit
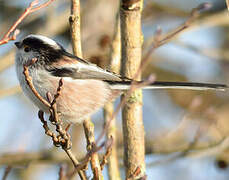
x,y
86,88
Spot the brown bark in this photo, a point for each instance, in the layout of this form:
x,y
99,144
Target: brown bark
x,y
133,129
74,21
88,125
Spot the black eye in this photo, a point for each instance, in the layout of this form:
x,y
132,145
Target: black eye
x,y
27,49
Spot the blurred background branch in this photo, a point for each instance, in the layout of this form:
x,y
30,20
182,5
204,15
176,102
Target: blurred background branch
x,y
114,66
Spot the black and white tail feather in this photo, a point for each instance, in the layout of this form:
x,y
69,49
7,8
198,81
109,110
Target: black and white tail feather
x,y
125,85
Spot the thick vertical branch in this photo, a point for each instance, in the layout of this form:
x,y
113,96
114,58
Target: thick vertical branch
x,y
74,21
115,56
88,125
133,129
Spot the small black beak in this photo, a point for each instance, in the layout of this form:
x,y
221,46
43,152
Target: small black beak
x,y
18,44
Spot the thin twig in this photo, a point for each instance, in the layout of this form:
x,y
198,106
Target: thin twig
x,y
31,8
201,130
41,6
135,174
63,138
6,172
91,146
55,26
30,83
62,175
82,166
160,40
84,163
107,154
74,20
22,159
135,85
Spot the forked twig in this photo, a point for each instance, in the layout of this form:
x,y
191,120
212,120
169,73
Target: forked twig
x,y
63,138
84,163
160,40
13,32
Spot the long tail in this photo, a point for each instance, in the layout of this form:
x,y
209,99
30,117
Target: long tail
x,y
124,85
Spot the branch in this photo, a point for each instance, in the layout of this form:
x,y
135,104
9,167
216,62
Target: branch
x,y
62,173
57,26
40,6
6,172
207,151
28,80
31,8
134,86
91,148
136,174
158,41
133,128
22,159
107,155
161,40
10,91
74,20
63,138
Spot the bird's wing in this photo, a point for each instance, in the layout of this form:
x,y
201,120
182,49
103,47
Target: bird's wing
x,y
77,68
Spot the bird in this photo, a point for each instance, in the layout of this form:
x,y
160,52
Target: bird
x,y
86,87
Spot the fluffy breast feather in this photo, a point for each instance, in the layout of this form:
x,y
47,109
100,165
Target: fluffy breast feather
x,y
79,98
